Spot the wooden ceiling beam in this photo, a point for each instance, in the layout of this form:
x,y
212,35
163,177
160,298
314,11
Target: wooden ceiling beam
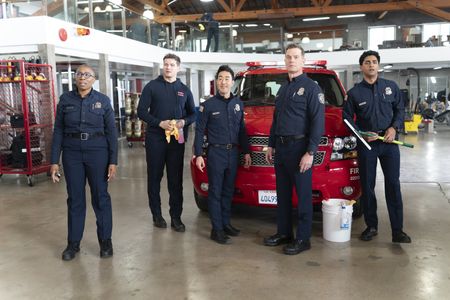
x,y
167,6
240,4
233,5
275,4
310,11
224,5
426,8
159,8
315,3
327,2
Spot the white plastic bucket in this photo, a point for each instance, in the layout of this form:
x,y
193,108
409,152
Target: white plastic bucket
x,y
337,220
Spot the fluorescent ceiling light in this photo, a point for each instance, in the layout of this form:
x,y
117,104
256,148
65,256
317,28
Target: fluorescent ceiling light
x,y
87,2
251,25
182,30
266,24
206,0
433,79
289,35
388,66
351,16
437,68
228,26
316,19
305,40
171,2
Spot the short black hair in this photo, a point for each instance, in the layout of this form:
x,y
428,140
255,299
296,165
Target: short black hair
x,y
294,45
172,56
368,53
225,68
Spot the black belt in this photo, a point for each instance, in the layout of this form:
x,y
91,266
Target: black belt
x,y
289,138
84,136
224,146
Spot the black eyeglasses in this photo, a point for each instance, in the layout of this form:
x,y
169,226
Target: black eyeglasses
x,y
85,75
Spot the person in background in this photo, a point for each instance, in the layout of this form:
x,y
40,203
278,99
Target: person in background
x,y
166,104
86,134
222,119
213,30
378,107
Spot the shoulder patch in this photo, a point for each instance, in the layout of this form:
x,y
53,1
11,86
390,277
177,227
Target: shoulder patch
x,y
388,91
321,97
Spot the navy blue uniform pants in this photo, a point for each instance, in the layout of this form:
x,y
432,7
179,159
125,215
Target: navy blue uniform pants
x,y
213,32
389,155
161,154
222,168
79,165
288,176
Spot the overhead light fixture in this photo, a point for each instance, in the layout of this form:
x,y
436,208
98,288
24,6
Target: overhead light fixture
x,y
351,16
108,8
97,9
86,9
319,45
206,0
149,14
116,2
388,66
251,25
87,2
171,2
306,40
234,33
316,19
182,31
289,35
433,79
437,68
266,24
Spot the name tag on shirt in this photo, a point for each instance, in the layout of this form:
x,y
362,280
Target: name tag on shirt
x,y
181,94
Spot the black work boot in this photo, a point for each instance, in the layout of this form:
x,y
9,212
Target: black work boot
x,y
70,251
106,248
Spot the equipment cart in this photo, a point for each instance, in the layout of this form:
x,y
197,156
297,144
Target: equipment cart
x,y
27,109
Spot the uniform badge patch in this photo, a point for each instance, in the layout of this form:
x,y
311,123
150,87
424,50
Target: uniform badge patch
x,y
388,91
321,98
181,94
200,109
301,91
98,105
237,107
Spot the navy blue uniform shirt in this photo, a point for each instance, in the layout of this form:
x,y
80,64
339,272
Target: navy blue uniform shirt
x,y
224,121
377,106
299,110
92,114
162,100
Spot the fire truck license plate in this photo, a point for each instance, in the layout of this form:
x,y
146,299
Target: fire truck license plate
x,y
267,197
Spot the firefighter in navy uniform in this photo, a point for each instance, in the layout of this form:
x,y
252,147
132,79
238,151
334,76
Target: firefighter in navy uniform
x,y
86,134
222,116
379,110
162,100
297,126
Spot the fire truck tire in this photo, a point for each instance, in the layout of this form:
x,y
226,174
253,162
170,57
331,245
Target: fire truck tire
x,y
357,209
202,202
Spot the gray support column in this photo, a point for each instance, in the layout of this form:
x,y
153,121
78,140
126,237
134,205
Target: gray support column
x,y
47,53
172,26
188,78
201,83
349,78
156,70
104,75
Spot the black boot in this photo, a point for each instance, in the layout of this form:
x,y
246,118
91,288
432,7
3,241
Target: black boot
x,y
106,248
158,221
220,237
71,250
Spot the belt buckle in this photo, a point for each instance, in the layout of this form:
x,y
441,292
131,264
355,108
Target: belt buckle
x,y
229,146
84,136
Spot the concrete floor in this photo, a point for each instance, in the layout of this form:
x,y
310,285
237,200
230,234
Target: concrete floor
x,y
152,263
